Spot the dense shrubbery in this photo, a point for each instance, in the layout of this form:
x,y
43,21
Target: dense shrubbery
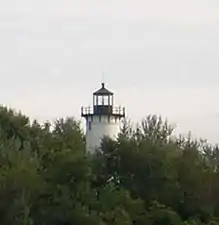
x,y
146,177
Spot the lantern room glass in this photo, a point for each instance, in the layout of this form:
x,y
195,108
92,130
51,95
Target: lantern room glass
x,y
103,100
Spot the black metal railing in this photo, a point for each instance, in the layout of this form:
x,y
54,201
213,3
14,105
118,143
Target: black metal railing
x,y
103,110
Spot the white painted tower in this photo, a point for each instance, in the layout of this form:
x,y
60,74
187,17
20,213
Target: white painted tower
x,y
102,119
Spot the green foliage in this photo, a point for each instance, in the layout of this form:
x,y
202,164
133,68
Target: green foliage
x,y
146,177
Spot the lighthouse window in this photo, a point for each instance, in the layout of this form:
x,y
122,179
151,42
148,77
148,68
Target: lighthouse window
x,y
89,125
99,100
110,100
102,100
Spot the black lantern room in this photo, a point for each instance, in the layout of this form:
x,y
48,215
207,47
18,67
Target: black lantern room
x,y
103,104
103,101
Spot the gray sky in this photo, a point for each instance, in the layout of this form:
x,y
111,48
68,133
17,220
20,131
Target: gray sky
x,y
158,57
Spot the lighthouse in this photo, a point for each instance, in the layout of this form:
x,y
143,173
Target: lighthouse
x,y
102,119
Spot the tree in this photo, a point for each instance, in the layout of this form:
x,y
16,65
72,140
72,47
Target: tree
x,y
147,176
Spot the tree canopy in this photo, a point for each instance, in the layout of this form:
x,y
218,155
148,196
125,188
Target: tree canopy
x,y
147,176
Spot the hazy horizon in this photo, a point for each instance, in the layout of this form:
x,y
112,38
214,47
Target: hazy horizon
x,y
158,57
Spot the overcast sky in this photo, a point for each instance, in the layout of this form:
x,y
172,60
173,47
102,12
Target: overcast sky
x,y
158,57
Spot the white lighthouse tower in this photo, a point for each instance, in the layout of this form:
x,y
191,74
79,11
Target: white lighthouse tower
x,y
102,119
